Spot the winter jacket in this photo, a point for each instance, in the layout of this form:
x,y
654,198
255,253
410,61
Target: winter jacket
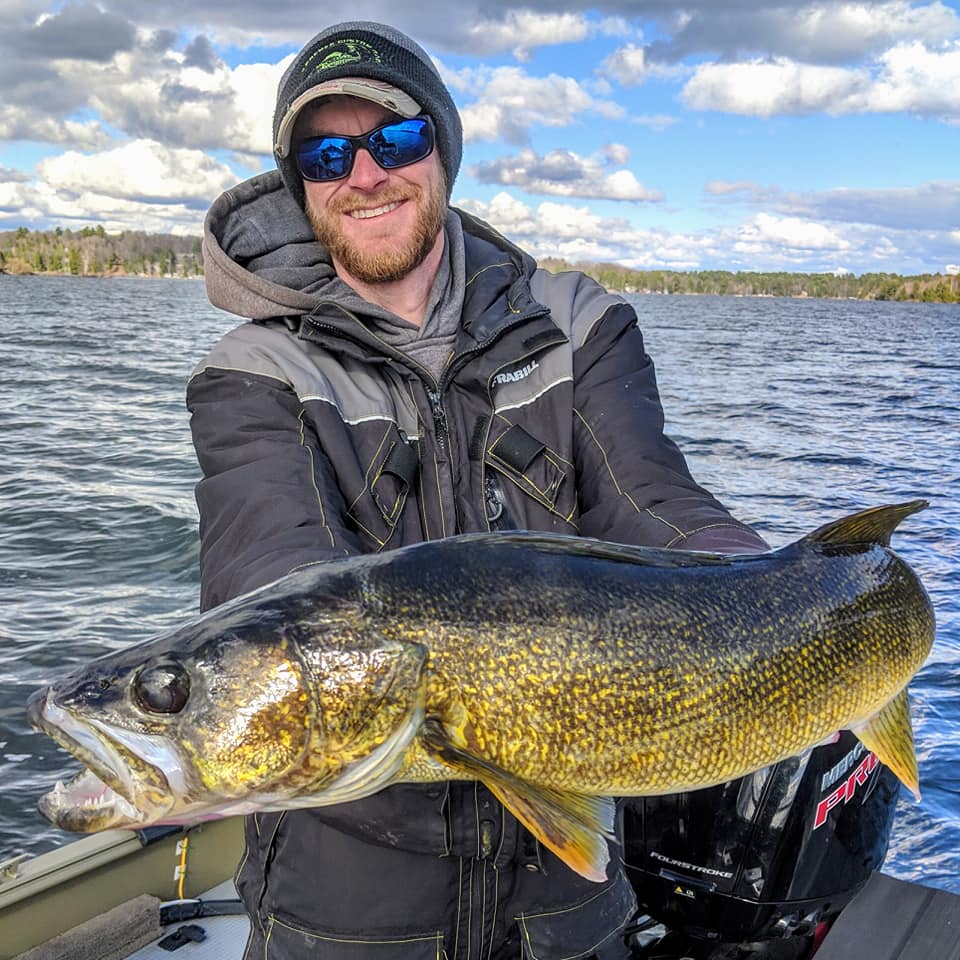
x,y
317,440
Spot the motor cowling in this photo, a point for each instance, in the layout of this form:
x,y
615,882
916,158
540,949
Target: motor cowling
x,y
767,856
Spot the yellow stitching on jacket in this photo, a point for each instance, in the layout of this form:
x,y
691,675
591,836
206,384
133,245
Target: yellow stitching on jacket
x,y
380,543
496,904
706,526
523,917
275,921
534,491
496,879
394,511
436,468
423,507
313,478
456,935
421,431
248,944
263,885
470,909
546,447
368,486
526,483
620,489
366,476
489,266
252,373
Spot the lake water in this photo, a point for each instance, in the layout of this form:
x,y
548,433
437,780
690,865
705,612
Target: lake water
x,y
794,412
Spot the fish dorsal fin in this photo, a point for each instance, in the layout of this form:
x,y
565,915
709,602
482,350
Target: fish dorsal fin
x,y
889,734
874,525
570,545
574,826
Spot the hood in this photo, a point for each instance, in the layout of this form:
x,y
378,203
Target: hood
x,y
261,259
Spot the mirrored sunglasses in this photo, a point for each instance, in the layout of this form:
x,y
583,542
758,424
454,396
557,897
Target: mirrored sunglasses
x,y
394,144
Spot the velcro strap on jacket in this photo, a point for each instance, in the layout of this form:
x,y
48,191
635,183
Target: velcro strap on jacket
x,y
517,448
402,462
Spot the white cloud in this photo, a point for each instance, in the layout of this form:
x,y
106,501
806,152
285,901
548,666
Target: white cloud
x,y
630,65
813,31
792,233
952,269
523,30
725,188
21,123
908,78
165,99
35,202
617,153
933,206
848,29
510,101
760,88
576,233
141,169
912,78
140,75
567,174
627,66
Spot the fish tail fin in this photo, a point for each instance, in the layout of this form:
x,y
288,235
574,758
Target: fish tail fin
x,y
889,734
874,525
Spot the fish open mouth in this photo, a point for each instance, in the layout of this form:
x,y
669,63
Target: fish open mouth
x,y
120,787
86,803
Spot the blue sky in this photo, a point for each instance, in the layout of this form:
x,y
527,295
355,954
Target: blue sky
x,y
714,135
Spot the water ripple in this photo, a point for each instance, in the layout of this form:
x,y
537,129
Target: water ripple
x,y
793,412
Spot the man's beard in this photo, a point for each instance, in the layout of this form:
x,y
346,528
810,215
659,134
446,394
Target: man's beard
x,y
394,262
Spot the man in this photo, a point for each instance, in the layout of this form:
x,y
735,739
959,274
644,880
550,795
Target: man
x,y
409,374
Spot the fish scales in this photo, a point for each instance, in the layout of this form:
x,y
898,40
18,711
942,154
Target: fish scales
x,y
559,671
563,687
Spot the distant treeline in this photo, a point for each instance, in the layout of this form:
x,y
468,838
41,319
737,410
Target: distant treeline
x,y
92,251
928,287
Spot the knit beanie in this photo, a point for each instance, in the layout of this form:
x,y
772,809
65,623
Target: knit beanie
x,y
375,62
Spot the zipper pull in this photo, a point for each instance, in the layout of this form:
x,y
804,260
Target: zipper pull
x,y
494,499
498,517
439,417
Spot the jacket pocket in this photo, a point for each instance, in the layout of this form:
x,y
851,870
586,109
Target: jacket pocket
x,y
592,928
527,462
388,479
285,940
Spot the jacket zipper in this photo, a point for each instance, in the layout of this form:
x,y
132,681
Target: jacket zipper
x,y
439,417
498,516
435,397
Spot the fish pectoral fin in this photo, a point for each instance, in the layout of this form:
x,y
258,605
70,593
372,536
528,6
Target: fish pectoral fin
x,y
889,734
574,826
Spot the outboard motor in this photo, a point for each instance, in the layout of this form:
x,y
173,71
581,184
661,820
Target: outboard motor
x,y
772,855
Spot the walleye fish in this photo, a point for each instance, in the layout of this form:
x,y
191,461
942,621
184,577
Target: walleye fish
x,y
559,671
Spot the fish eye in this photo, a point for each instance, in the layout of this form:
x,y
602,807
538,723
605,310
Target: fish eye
x,y
162,688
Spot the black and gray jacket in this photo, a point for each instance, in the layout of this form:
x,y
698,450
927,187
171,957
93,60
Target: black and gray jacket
x,y
317,439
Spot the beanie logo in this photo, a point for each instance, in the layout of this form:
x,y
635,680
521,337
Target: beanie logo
x,y
340,53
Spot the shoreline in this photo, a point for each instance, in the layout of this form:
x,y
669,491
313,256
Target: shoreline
x,y
620,290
